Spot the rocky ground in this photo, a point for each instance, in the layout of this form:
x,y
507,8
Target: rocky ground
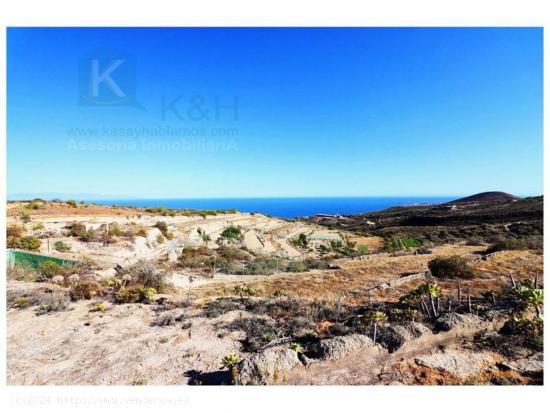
x,y
367,318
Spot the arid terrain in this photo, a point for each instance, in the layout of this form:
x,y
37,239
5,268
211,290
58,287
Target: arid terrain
x,y
420,295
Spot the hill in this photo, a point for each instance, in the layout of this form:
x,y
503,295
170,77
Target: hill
x,y
481,221
494,196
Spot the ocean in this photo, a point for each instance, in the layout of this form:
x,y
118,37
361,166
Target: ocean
x,y
284,207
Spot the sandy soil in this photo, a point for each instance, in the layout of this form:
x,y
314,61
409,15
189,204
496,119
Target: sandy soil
x,y
118,346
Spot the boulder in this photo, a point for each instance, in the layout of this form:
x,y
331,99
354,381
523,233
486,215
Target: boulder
x,y
338,347
457,363
267,367
530,366
105,274
394,336
448,321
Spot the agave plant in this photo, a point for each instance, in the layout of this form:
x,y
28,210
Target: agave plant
x,y
375,317
204,236
411,314
241,289
530,296
230,362
432,290
280,293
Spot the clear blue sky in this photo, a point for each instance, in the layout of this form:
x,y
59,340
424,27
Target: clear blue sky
x,y
321,112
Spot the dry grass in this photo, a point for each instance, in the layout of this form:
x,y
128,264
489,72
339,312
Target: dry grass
x,y
373,243
352,282
353,279
52,209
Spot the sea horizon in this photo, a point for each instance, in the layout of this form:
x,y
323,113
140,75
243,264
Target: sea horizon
x,y
283,207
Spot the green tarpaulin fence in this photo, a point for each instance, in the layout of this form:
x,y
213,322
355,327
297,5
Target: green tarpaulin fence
x,y
28,259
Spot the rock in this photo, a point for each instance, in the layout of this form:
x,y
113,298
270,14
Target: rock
x,y
394,336
449,321
457,363
172,256
58,279
531,366
338,347
105,274
267,367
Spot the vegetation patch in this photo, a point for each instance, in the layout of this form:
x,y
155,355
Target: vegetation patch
x,y
451,267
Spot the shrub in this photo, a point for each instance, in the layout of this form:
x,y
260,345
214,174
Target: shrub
x,y
196,257
22,273
71,203
38,227
13,235
220,306
25,217
507,244
51,303
162,227
49,269
86,289
297,266
90,236
301,240
451,267
145,273
362,249
77,229
14,231
142,232
29,244
232,253
115,231
231,233
160,239
135,294
61,246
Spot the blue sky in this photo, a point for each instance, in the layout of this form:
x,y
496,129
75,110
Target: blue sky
x,y
301,112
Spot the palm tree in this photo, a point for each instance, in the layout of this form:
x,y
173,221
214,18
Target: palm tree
x,y
375,317
230,362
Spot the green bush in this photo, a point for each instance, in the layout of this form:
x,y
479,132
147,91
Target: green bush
x,y
362,249
61,246
451,267
232,233
301,240
49,269
90,236
72,203
29,243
